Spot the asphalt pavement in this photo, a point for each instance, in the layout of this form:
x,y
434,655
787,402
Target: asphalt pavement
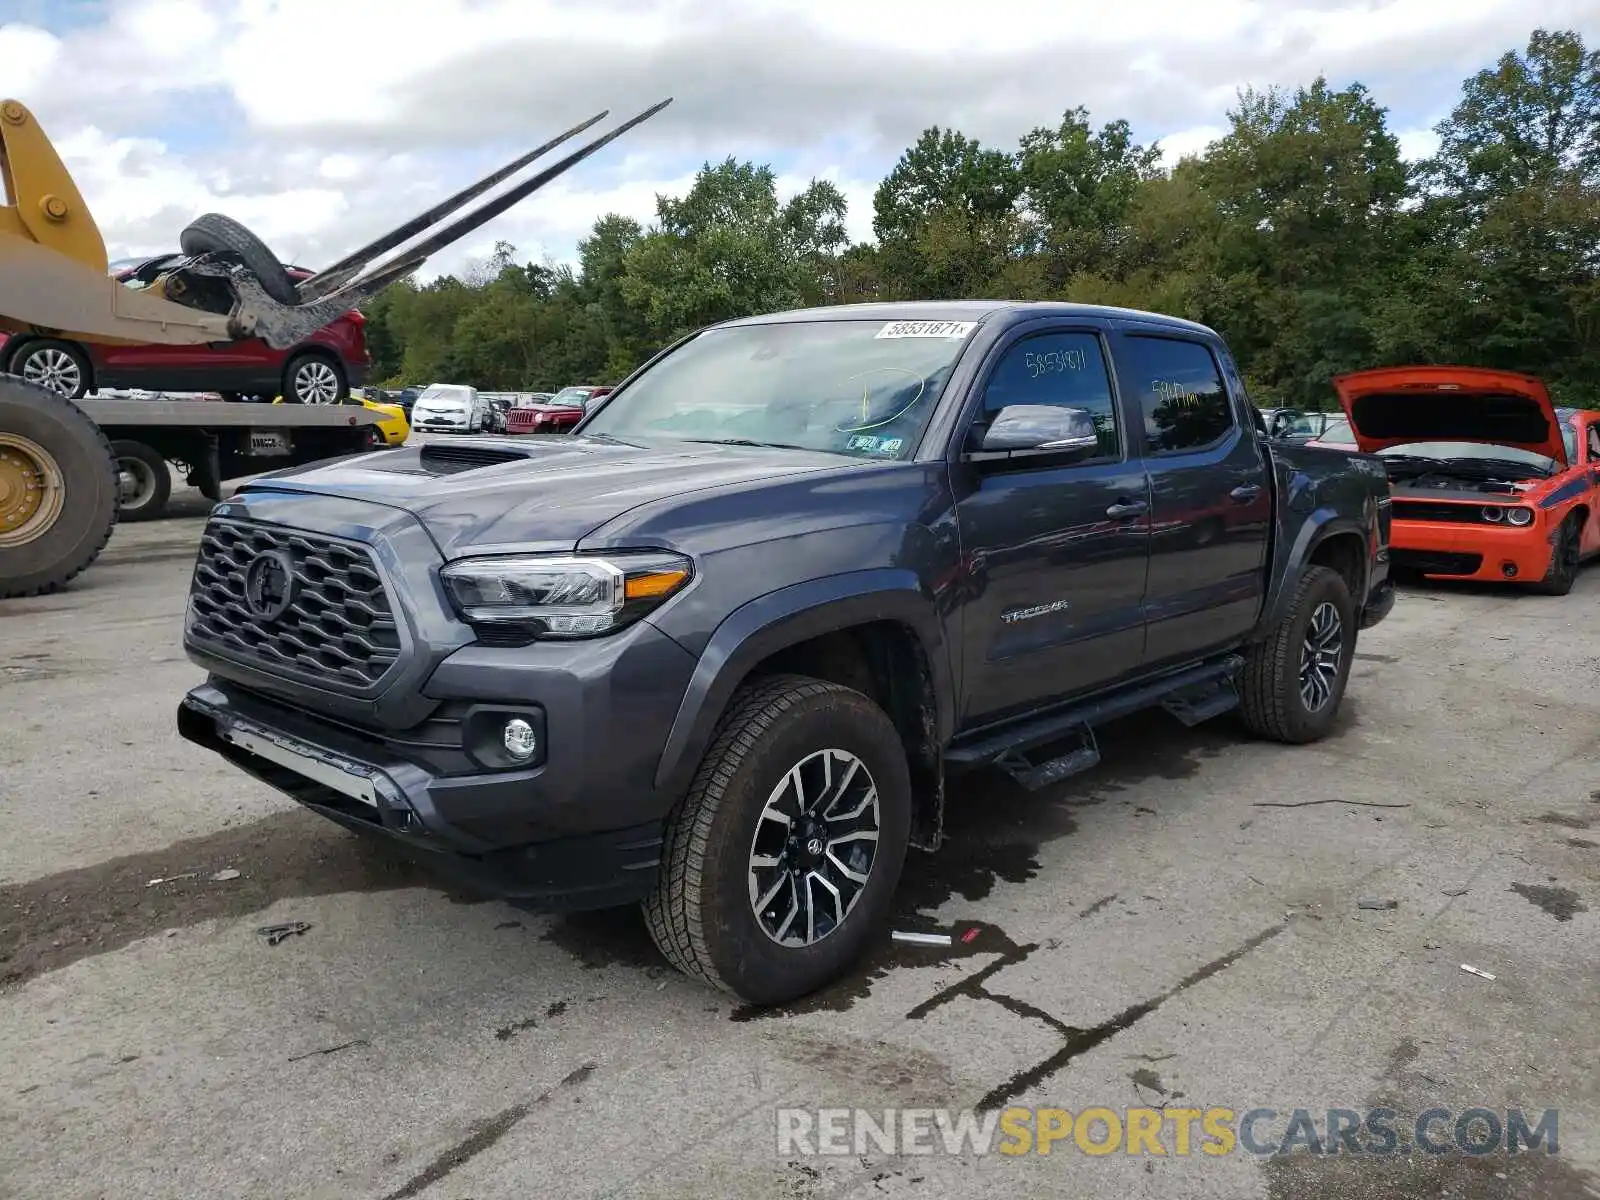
x,y
1202,922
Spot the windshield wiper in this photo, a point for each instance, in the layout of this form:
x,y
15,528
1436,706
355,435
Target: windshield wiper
x,y
745,442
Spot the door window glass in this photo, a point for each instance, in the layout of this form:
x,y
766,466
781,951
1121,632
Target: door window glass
x,y
1181,394
1067,370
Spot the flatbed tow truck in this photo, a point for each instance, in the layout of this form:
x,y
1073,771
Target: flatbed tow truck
x,y
67,468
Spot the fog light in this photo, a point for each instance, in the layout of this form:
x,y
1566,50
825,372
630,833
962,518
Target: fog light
x,y
521,742
1508,569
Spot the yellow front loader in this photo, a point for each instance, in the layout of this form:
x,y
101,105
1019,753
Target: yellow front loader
x,y
58,484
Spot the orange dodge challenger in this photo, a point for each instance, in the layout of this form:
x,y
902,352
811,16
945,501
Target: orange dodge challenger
x,y
1489,479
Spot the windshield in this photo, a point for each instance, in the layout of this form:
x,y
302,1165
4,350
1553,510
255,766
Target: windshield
x,y
1338,432
860,388
1470,450
444,396
1306,423
570,397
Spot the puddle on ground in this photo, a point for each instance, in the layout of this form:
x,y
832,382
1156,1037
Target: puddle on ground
x,y
1560,902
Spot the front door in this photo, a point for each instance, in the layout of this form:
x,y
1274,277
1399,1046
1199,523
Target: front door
x,y
1057,552
1210,495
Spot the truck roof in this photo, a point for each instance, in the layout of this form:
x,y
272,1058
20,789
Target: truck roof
x,y
1004,312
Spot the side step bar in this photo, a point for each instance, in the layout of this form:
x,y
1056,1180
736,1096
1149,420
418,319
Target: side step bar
x,y
1192,696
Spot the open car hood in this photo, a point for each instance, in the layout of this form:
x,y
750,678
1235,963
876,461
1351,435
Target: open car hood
x,y
1395,405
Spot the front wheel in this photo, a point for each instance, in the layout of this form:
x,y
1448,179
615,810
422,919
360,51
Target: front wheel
x,y
780,864
56,366
1294,680
1563,570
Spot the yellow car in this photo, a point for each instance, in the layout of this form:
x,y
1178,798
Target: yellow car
x,y
392,428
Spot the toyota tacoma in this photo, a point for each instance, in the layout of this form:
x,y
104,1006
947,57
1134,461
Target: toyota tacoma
x,y
715,651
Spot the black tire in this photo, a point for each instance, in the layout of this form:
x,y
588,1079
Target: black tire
x,y
63,546
50,363
1271,701
213,233
701,913
152,478
304,368
231,397
1563,570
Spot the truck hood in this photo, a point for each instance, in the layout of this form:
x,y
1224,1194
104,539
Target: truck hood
x,y
1395,405
496,495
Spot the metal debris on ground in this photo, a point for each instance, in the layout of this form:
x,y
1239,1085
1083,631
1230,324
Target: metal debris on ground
x,y
921,939
1478,973
1377,905
172,879
224,875
276,933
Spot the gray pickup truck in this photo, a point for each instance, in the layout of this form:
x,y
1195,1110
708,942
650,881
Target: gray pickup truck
x,y
715,651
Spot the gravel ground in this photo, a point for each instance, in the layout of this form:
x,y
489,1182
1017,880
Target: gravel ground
x,y
1181,927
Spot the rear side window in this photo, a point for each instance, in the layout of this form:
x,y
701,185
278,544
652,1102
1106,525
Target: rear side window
x,y
1067,370
1182,398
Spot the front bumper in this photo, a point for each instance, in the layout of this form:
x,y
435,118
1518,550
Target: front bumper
x,y
367,784
1471,552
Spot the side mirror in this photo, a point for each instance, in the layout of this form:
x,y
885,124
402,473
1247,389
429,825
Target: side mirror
x,y
1036,431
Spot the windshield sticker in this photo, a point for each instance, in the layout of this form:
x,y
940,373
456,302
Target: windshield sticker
x,y
927,329
863,441
891,446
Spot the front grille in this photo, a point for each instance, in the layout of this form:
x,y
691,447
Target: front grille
x,y
1434,510
1435,562
339,628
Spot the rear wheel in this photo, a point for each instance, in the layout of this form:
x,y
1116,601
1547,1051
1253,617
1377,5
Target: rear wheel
x,y
213,233
58,490
780,864
1563,570
1293,680
144,481
314,379
56,366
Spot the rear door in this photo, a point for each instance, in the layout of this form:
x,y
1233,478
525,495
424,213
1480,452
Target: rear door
x,y
1055,553
1210,495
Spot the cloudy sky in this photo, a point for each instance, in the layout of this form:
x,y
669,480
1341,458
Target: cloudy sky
x,y
319,123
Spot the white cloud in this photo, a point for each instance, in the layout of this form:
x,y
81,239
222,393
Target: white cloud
x,y
331,120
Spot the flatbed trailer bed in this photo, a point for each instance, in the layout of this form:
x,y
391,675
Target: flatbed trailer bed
x,y
213,441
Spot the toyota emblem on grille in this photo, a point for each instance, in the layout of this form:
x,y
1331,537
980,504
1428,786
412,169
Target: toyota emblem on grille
x,y
269,584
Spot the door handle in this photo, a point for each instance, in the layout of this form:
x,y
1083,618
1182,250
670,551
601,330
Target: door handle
x,y
1246,492
1117,511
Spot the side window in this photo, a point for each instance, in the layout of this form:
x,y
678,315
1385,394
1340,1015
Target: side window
x,y
1181,396
1063,369
1594,441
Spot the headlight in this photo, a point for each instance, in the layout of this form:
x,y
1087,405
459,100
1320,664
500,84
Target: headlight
x,y
1519,516
571,596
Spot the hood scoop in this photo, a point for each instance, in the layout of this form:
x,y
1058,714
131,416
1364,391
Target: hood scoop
x,y
443,459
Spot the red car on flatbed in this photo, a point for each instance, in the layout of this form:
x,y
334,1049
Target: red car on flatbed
x,y
320,370
557,415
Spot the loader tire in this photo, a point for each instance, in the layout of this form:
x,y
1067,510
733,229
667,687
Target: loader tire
x,y
213,233
58,490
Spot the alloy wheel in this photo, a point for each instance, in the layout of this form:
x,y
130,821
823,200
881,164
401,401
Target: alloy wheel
x,y
316,383
53,369
1319,657
814,847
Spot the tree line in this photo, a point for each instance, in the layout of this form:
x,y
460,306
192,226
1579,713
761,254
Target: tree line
x,y
1302,235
